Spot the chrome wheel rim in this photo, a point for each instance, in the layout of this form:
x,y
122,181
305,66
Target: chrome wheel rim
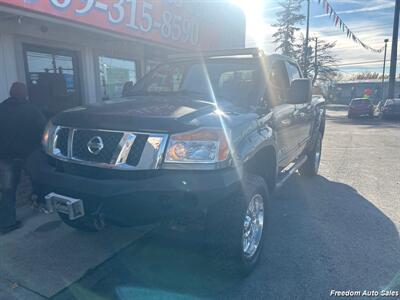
x,y
317,155
253,226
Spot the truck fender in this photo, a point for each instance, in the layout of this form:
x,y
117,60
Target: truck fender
x,y
248,153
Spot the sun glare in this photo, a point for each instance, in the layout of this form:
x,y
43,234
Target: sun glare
x,y
255,23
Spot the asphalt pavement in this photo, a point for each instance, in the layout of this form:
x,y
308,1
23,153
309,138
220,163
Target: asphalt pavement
x,y
337,231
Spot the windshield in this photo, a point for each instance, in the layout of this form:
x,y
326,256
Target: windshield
x,y
232,82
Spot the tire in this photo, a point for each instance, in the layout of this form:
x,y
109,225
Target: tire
x,y
350,116
86,224
226,225
311,166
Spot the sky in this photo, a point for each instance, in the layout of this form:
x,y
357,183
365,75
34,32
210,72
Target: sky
x,y
370,20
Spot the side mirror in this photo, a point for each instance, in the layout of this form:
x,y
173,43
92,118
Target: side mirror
x,y
300,91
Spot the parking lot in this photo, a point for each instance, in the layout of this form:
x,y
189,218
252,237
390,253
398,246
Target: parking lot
x,y
338,231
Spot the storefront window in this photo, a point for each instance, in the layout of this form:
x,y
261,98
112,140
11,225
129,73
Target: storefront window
x,y
52,78
114,75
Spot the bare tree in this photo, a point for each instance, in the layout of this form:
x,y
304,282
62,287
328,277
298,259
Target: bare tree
x,y
324,67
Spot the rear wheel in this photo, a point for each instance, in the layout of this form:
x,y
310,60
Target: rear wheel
x,y
235,226
311,166
86,223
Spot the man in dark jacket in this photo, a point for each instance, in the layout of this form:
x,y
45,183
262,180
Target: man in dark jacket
x,y
21,127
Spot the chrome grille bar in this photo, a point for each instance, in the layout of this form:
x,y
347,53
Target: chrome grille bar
x,y
71,133
124,147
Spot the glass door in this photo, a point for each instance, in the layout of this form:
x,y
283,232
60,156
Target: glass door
x,y
52,77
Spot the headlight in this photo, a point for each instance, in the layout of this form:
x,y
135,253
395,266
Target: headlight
x,y
48,137
205,145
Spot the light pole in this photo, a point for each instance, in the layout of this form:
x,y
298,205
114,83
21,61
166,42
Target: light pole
x,y
393,58
383,72
306,41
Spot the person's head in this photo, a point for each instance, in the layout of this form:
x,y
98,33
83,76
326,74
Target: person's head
x,y
127,88
18,90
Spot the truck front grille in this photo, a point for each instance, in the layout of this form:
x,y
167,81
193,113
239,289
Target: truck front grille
x,y
120,150
82,138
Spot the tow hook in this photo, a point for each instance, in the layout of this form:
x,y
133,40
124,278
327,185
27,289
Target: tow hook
x,y
66,205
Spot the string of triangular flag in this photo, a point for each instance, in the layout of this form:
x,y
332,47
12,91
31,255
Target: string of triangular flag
x,y
338,22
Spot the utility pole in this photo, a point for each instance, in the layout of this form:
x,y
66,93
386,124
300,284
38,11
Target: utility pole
x,y
393,58
306,41
315,60
383,72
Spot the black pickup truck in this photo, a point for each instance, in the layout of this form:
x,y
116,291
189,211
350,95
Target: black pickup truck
x,y
202,137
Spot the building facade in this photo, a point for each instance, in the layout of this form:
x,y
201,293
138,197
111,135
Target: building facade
x,y
343,92
72,52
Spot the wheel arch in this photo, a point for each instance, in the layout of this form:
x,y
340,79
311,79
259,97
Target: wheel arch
x,y
264,164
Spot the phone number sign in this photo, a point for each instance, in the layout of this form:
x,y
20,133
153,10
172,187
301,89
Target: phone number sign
x,y
163,21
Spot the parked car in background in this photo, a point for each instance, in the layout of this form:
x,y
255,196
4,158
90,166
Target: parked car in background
x,y
391,108
359,107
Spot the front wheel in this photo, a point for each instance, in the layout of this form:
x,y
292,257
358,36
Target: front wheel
x,y
235,226
311,166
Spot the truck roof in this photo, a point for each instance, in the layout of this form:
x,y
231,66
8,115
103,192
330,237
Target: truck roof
x,y
229,53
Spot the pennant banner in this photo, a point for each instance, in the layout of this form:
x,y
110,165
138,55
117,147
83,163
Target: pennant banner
x,y
338,22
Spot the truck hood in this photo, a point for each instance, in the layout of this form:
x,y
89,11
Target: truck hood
x,y
155,114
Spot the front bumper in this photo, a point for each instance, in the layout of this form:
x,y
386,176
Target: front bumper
x,y
140,199
360,112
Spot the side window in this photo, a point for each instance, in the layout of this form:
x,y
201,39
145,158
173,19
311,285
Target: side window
x,y
279,83
293,71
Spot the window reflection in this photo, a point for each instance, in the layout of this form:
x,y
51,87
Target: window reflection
x,y
51,80
115,75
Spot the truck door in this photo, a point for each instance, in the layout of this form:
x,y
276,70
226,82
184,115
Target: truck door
x,y
282,112
303,114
